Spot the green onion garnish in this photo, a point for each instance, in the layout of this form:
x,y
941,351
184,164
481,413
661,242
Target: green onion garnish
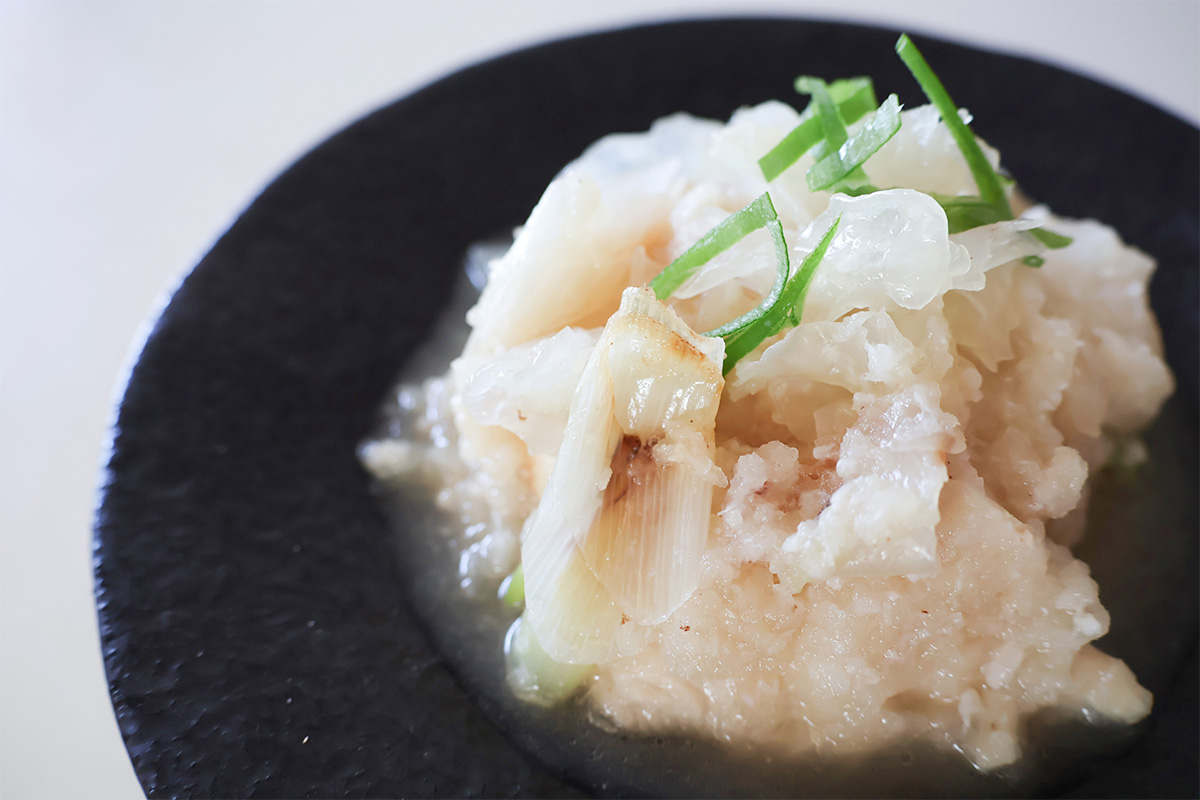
x,y
781,306
1054,241
831,122
835,131
990,187
964,212
990,183
842,168
785,311
853,97
788,152
512,589
759,214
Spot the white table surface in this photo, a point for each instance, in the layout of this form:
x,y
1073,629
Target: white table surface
x,y
132,133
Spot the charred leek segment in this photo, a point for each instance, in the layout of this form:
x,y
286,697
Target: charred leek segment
x,y
618,534
992,204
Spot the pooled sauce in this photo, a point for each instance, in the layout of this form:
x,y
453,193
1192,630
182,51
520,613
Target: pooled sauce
x,y
468,624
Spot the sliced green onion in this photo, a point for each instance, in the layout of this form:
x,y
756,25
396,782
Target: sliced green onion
x,y
964,212
1054,241
991,189
859,190
512,590
781,307
797,288
794,145
785,311
843,165
853,97
969,212
782,267
759,214
831,122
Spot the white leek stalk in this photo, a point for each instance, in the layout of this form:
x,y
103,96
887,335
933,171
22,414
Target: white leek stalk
x,y
619,532
533,675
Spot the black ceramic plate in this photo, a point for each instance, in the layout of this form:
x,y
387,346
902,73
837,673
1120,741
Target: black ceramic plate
x,y
261,636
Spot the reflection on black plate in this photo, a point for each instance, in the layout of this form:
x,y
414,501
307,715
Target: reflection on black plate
x,y
261,637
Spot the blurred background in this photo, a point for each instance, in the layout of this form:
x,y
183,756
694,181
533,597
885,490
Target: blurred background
x,y
133,133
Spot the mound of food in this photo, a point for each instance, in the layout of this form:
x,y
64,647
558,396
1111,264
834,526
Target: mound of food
x,y
785,427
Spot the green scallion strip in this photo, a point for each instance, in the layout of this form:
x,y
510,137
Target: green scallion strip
x,y
854,97
759,214
964,212
785,311
991,189
512,590
858,190
782,267
991,184
1054,241
794,145
831,122
840,166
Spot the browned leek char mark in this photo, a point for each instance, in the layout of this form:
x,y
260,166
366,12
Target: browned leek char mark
x,y
682,348
620,529
631,463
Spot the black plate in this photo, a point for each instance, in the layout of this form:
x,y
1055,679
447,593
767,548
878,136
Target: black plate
x,y
257,634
